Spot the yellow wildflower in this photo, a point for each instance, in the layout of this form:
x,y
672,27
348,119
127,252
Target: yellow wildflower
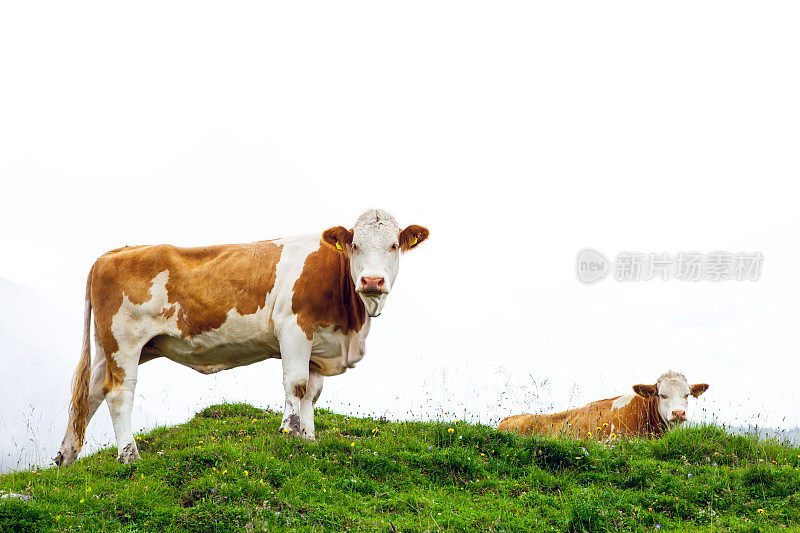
x,y
450,430
246,473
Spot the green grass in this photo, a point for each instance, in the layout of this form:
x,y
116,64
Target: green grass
x,y
229,469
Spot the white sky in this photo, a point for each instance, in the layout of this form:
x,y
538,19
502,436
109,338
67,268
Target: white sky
x,y
517,133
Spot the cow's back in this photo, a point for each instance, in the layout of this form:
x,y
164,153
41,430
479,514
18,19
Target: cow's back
x,y
592,420
531,424
199,285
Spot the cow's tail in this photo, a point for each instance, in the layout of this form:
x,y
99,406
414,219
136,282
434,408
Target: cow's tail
x,y
80,383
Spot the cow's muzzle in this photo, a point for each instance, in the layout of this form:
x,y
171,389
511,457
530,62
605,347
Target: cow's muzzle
x,y
678,416
372,286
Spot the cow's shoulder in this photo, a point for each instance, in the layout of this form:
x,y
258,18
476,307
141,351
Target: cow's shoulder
x,y
630,413
324,294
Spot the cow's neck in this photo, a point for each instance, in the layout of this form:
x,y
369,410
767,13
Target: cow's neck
x,y
348,299
654,424
324,294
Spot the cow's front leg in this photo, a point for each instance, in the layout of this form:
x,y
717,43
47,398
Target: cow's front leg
x,y
295,356
313,390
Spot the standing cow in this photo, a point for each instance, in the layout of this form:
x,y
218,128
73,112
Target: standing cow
x,y
649,412
306,300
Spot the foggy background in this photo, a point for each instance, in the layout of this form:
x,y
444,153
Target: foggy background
x,y
517,134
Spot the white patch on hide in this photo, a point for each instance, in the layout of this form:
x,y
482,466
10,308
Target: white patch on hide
x,y
622,401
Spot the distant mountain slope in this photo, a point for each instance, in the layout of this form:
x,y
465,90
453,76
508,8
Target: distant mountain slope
x,y
791,436
29,366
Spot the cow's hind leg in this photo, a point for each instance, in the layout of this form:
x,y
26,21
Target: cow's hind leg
x,y
119,388
70,445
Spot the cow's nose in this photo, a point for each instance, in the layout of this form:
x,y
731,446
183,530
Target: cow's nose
x,y
679,415
372,284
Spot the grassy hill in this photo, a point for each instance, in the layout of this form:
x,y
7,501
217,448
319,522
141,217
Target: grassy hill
x,y
229,469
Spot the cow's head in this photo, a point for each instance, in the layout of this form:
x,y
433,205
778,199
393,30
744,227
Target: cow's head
x,y
373,247
671,393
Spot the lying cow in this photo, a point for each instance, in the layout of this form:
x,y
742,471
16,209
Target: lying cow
x,y
306,300
651,411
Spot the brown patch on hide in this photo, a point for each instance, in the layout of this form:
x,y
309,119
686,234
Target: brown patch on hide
x,y
300,390
205,283
115,375
324,294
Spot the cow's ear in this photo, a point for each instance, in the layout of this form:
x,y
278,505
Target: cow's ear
x,y
645,391
338,237
699,389
412,236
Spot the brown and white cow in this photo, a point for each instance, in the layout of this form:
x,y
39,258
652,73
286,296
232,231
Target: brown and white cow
x,y
307,300
651,411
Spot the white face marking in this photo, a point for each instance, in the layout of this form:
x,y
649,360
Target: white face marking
x,y
622,401
673,396
375,256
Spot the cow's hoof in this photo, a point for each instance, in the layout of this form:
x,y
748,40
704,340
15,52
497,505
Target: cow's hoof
x,y
65,457
290,432
301,434
128,454
291,426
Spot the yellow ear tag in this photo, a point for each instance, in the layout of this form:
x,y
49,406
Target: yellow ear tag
x,y
339,246
414,241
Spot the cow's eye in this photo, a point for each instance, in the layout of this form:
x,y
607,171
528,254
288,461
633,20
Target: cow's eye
x,y
394,247
663,396
355,248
